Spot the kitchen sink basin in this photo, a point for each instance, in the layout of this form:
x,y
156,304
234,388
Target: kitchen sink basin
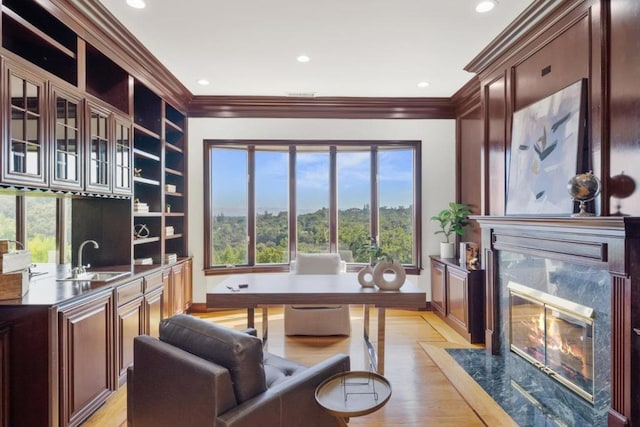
x,y
97,276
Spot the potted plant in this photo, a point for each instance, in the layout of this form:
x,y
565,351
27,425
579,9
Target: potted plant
x,y
452,220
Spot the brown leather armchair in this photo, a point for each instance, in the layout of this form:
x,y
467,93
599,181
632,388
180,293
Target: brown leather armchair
x,y
202,374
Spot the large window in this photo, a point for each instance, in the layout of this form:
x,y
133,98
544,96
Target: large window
x,y
267,200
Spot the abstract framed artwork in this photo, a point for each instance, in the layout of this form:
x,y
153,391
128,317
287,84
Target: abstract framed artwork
x,y
547,141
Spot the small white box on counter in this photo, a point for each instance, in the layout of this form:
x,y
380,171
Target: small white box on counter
x,y
15,261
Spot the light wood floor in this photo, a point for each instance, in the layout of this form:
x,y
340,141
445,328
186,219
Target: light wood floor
x,y
428,387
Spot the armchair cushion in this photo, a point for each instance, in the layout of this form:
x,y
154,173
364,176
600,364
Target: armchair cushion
x,y
278,369
238,352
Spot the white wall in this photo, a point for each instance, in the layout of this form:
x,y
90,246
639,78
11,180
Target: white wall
x,y
438,169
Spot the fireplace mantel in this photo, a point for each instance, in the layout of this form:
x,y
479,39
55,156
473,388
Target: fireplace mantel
x,y
610,243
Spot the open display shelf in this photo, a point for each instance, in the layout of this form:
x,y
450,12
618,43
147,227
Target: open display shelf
x,y
159,176
175,181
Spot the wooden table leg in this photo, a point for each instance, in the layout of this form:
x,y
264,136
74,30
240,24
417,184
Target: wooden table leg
x,y
250,318
366,318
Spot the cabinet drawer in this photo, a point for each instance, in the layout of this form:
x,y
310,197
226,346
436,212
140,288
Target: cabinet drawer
x,y
152,281
128,292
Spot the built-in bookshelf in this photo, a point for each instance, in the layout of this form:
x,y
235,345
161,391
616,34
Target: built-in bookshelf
x,y
147,176
174,182
159,217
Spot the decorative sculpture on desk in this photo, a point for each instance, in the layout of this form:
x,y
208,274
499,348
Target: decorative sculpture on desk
x,y
583,188
389,267
365,277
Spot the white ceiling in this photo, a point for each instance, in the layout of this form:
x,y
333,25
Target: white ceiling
x,y
371,48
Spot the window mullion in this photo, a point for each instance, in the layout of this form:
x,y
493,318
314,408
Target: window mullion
x,y
251,203
417,205
374,194
21,220
60,230
333,199
293,213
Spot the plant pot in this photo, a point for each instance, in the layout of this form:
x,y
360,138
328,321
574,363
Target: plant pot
x,y
397,272
447,250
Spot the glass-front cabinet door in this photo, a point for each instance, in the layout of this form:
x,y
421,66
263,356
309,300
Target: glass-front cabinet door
x,y
23,148
98,150
123,160
67,159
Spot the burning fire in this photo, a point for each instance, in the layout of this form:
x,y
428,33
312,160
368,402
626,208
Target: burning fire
x,y
565,345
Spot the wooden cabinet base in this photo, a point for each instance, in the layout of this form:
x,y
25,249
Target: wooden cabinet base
x,y
457,295
85,344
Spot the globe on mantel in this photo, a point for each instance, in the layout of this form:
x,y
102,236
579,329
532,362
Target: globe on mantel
x,y
583,188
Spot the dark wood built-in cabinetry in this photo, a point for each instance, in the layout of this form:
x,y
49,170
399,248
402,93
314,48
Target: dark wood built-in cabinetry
x,y
83,342
5,380
85,352
23,148
79,122
130,323
88,116
153,302
457,295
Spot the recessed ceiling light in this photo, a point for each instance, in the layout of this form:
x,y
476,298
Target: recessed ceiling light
x,y
485,6
137,4
204,82
423,84
303,58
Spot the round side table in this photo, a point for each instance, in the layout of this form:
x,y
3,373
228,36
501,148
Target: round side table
x,y
353,394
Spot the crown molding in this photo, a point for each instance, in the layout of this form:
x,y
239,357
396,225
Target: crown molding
x,y
528,19
467,98
96,25
321,107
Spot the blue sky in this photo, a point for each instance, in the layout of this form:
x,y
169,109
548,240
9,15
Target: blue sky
x,y
272,182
